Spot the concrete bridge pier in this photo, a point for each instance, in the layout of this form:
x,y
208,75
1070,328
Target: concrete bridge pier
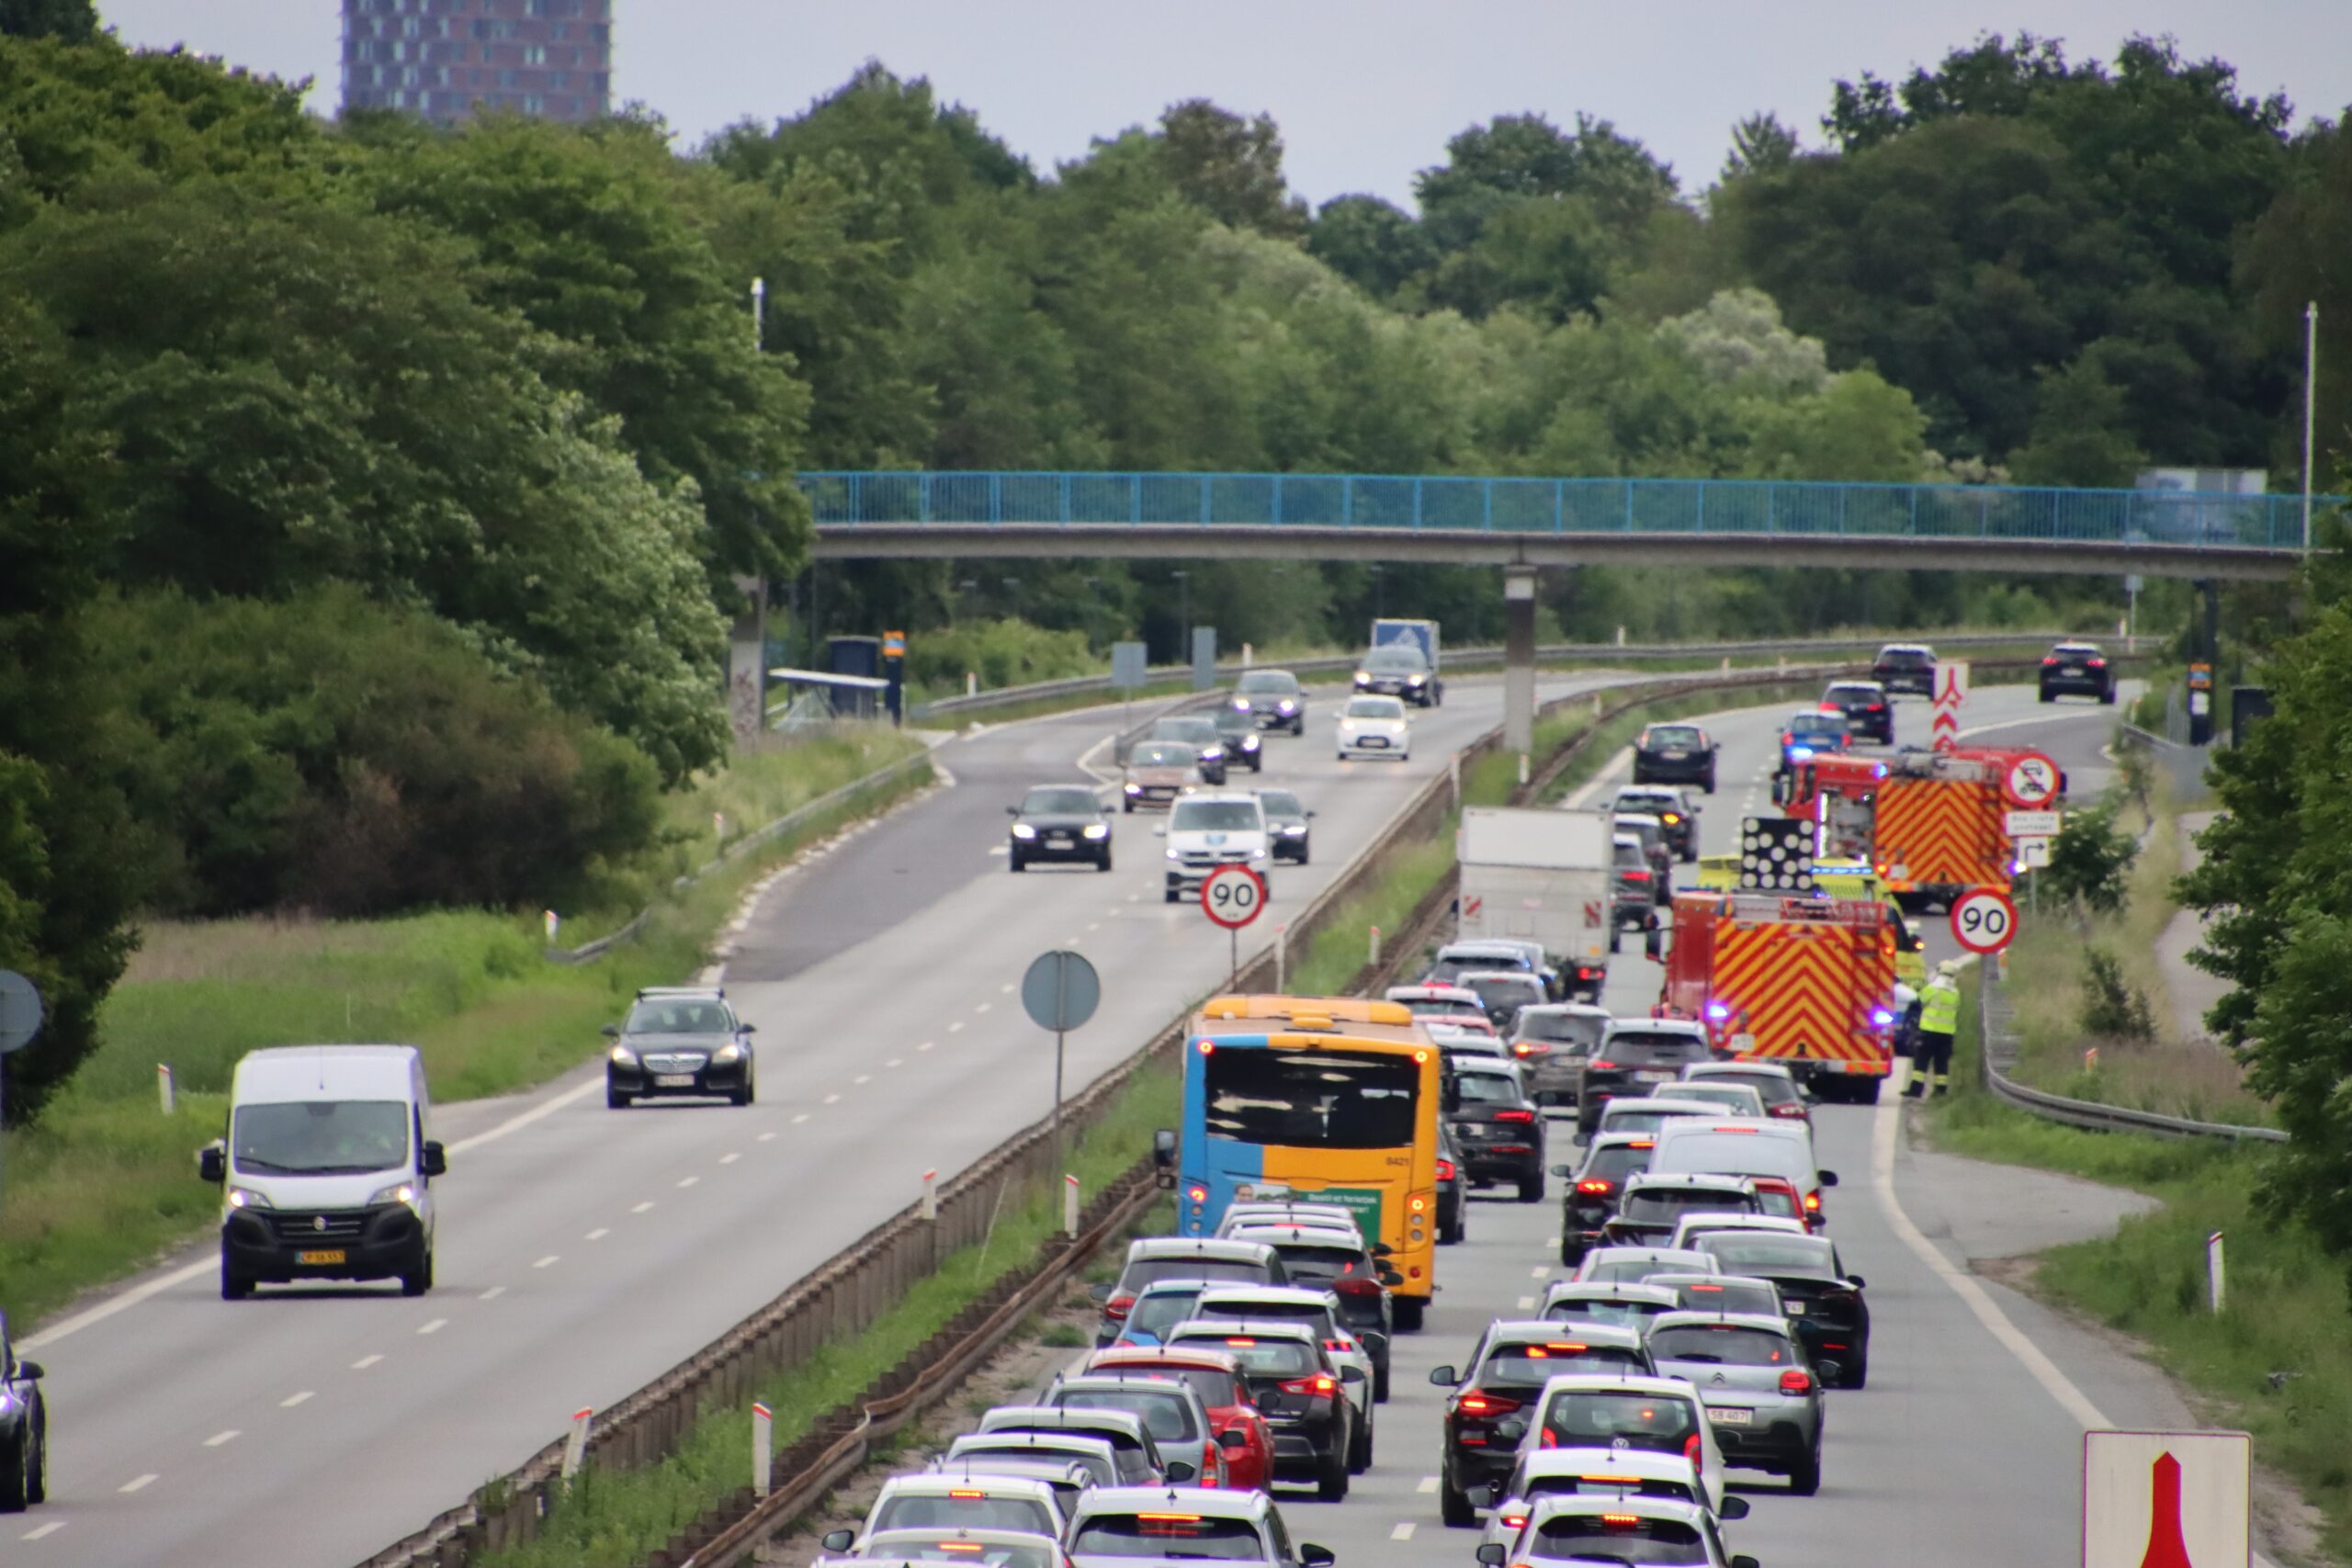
x,y
1519,660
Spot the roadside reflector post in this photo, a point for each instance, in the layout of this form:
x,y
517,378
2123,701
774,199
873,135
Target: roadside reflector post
x,y
2090,1060
762,1447
2214,1281
719,826
164,1088
553,921
931,1195
971,685
1282,955
575,1446
1373,957
1726,666
1453,767
1522,769
1070,1207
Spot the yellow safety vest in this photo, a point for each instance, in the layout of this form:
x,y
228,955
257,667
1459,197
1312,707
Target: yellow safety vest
x,y
1939,1008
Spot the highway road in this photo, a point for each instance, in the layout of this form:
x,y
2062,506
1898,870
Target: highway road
x,y
583,1251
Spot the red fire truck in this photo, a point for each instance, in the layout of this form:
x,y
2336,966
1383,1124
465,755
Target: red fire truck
x,y
1804,981
1931,823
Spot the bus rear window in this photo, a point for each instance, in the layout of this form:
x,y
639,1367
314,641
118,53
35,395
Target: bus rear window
x,y
1333,1099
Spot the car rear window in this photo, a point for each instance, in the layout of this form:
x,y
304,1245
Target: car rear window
x,y
1605,1486
1619,1119
1755,1252
1596,1418
1640,1049
1671,1203
1710,1295
1142,1271
1505,990
1774,1088
1561,1028
1314,1264
1620,1537
1723,1344
1171,1534
936,1513
1673,735
993,1554
1614,1162
1625,1315
1262,1358
1167,1415
1903,658
1215,1387
1156,1312
1528,1365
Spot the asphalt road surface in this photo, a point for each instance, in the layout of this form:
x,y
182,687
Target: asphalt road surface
x,y
583,1251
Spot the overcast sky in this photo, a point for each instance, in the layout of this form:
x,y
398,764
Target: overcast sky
x,y
1366,91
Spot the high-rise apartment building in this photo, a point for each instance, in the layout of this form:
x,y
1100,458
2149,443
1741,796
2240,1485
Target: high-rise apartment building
x,y
443,60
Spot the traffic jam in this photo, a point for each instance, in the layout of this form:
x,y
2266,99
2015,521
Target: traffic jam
x,y
1694,1324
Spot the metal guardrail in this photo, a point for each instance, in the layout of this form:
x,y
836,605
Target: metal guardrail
x,y
1524,506
2091,1114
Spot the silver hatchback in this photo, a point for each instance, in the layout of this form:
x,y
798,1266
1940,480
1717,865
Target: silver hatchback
x,y
1764,1400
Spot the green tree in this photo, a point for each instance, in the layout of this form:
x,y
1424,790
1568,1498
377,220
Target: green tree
x,y
1230,168
1374,244
2294,257
2082,430
76,21
1760,144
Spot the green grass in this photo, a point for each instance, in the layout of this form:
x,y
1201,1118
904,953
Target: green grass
x,y
104,1182
1340,949
616,1520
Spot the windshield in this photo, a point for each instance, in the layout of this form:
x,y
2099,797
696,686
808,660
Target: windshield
x,y
1281,803
1731,1097
1605,1486
1449,971
929,1547
1578,1419
1488,1088
1142,1271
1216,816
1674,735
1763,1253
1576,1029
1318,1265
1060,803
1395,659
1279,682
1194,729
1904,657
1262,1358
1716,1295
1169,1535
1529,1365
1156,1312
1654,1048
1645,1120
919,1512
1503,990
1167,1415
1817,724
1160,754
1315,1316
1723,1344
321,1137
1215,1387
1625,1315
1334,1100
1671,1203
683,1017
1855,694
1375,708
1620,1537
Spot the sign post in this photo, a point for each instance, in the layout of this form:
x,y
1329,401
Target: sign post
x,y
1059,992
1951,695
2167,1499
1233,895
1984,920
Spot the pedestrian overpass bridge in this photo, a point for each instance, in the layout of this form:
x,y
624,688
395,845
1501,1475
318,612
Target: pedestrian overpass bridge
x,y
1555,521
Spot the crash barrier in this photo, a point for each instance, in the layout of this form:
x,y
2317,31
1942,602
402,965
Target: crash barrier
x,y
1484,658
1996,1038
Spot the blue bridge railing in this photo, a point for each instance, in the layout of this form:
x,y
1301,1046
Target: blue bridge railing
x,y
1769,507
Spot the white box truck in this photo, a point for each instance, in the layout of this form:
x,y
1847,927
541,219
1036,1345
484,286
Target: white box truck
x,y
1540,876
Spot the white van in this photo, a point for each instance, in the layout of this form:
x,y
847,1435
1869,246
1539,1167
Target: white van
x,y
1693,1144
327,1169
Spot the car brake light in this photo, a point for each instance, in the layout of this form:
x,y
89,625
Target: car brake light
x,y
966,1492
1737,1127
1514,1116
1516,1522
1603,1064
1357,1287
1691,1448
1620,1521
961,1546
1445,1170
1715,1290
2050,659
1788,1108
1597,1187
1796,1381
1478,1404
1532,1048
1813,1202
1570,1349
1637,876
1317,1385
2096,663
1117,1306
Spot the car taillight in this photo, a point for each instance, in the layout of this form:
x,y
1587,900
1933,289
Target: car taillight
x,y
1357,1287
1445,1170
1603,1063
2050,659
1597,1187
1796,1381
1813,1202
1118,1306
1475,1402
1318,1385
2096,663
1521,1116
1532,1048
1516,1522
1789,1108
1637,876
1691,1448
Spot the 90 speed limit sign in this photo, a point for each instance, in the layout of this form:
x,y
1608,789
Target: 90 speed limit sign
x,y
1984,920
1233,895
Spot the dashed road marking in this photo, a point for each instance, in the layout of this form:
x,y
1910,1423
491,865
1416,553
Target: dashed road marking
x,y
686,1181
599,1234
729,1158
495,1292
1427,1485
1527,1304
862,1077
1540,1272
955,1026
365,1362
984,1007
924,1047
138,1483
642,1207
895,1061
1005,989
832,1099
40,1532
547,1260
1402,1532
767,1137
1095,926
231,1435
291,1400
436,1327
799,1119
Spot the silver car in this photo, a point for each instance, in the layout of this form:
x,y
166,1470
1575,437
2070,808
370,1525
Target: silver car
x,y
1764,1403
1551,1042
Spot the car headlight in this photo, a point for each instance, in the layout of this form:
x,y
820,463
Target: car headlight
x,y
1293,830
1097,830
398,1192
1249,743
246,1197
1415,680
1241,704
726,1055
622,1056
1134,789
1364,678
1174,855
1285,706
1022,831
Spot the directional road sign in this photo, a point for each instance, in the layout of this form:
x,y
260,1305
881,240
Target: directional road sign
x,y
1984,920
1233,895
2033,854
1951,695
2031,782
2167,1499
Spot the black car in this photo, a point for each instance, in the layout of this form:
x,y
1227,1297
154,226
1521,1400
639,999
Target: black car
x,y
1906,666
1632,1058
1399,670
24,1430
1451,1205
2076,669
1677,817
1497,1127
1675,753
1320,1258
1286,825
1649,1207
1503,993
1296,1387
1595,1187
1507,1371
1238,732
1824,1303
1200,735
1059,822
680,1040
1868,712
1272,699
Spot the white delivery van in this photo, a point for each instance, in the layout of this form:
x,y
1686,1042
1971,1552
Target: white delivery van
x,y
1701,1144
1541,876
327,1169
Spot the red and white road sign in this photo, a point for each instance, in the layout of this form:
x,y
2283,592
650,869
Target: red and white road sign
x,y
1951,695
1984,920
1472,905
1233,895
2031,782
2167,1499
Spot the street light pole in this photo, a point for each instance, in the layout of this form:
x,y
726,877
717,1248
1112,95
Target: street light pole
x,y
2310,390
758,314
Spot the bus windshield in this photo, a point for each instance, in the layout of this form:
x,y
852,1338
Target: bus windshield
x,y
1333,1099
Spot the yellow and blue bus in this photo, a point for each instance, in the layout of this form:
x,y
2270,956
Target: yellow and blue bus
x,y
1330,1099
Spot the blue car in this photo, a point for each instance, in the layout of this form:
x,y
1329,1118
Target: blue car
x,y
1808,733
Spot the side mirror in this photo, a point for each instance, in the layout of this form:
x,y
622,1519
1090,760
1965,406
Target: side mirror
x,y
611,1031
1382,1250
1313,1556
213,1163
838,1541
436,1161
1481,1497
1493,1555
1100,1292
1177,1471
1352,1374
1829,1178
1733,1508
32,1369
1390,1278
1444,1376
1830,1369
1013,811
1746,1563
1310,816
1858,1281
1160,830
1233,1437
1564,1170
1163,1149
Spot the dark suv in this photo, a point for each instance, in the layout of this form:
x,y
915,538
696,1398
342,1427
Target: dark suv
x,y
1634,1056
1240,733
1675,753
1296,1386
1906,666
1595,1187
24,1430
1868,712
1507,1372
1060,822
1497,1127
1675,814
680,1040
2076,669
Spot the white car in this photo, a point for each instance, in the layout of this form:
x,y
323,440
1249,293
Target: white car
x,y
1626,1528
1206,830
1588,1473
1375,727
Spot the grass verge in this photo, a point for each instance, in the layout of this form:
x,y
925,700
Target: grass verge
x,y
2285,1313
617,1519
104,1182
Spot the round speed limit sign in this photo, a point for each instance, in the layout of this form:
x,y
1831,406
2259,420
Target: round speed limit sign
x,y
2031,782
1984,920
1233,895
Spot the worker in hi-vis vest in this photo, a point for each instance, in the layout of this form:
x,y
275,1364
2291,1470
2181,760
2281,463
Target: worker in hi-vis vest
x,y
1939,1017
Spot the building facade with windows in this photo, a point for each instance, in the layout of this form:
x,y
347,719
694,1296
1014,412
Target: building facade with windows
x,y
444,60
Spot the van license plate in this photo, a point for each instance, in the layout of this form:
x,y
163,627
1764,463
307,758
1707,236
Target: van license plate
x,y
1724,1415
673,1080
333,1255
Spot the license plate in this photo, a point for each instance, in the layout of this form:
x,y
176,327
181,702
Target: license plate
x,y
329,1254
1674,754
1371,741
1723,1416
1652,1077
2073,669
1794,1307
1058,838
673,1080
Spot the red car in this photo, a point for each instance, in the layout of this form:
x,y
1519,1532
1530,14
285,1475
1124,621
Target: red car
x,y
1215,1376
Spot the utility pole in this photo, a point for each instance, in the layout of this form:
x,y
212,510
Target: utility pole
x,y
758,314
2311,392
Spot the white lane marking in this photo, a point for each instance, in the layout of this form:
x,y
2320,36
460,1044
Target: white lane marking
x,y
39,1531
436,1327
895,1061
1427,1484
138,1483
1402,1532
1527,1304
1072,941
729,1158
955,1026
939,771
832,1099
365,1362
123,1303
984,1007
1554,1244
513,1123
799,1119
1005,989
862,1077
492,1293
547,1260
291,1400
599,1234
642,1207
1542,1272
999,851
686,1181
231,1435
1095,926
1135,897
925,1045
767,1137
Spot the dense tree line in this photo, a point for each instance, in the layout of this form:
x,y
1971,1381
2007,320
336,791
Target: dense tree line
x,y
373,497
